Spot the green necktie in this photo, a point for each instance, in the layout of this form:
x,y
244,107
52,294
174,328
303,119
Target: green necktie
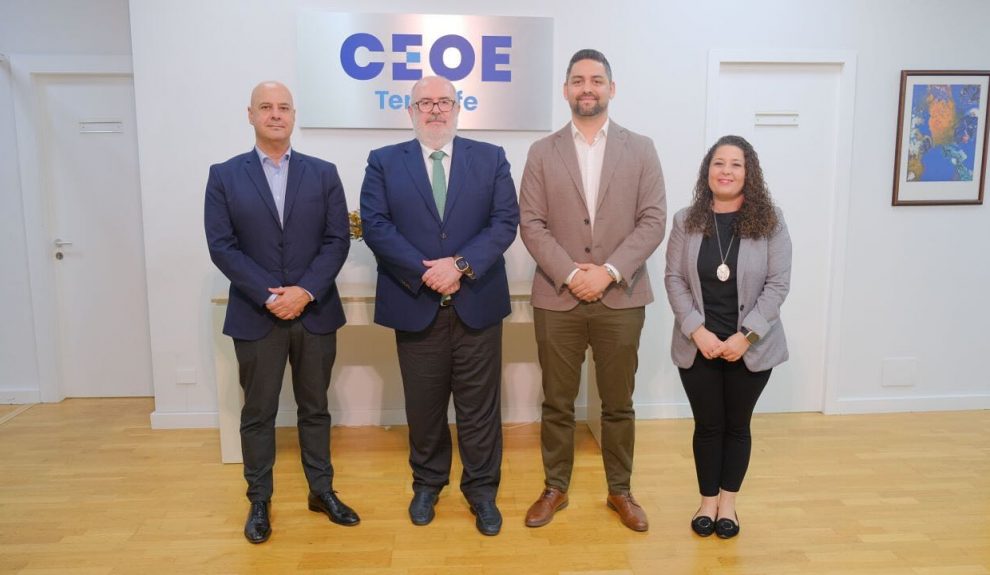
x,y
439,181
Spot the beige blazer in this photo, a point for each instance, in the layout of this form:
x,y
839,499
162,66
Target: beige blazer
x,y
763,278
630,216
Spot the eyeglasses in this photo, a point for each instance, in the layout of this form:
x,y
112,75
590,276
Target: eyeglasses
x,y
426,106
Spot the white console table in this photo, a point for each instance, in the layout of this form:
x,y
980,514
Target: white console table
x,y
359,307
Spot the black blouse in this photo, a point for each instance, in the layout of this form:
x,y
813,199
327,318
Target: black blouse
x,y
721,298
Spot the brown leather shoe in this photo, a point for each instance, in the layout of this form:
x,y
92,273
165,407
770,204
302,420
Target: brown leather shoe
x,y
631,514
541,512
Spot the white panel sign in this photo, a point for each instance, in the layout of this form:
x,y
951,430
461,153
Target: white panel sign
x,y
356,70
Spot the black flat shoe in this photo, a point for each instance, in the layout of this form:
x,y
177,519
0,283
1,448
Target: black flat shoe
x,y
421,510
258,527
338,511
726,528
703,525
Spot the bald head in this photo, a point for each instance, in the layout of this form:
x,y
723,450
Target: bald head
x,y
273,116
433,84
269,89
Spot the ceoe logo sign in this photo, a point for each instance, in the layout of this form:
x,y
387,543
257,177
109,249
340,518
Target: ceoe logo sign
x,y
356,70
410,46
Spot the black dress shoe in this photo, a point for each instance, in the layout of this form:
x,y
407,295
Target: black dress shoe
x,y
726,528
336,510
258,527
421,507
703,525
487,519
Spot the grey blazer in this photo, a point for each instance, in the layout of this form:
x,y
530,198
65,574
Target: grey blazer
x,y
763,278
630,218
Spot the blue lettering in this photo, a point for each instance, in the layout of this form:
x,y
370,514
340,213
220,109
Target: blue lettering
x,y
395,102
491,57
470,103
400,43
348,51
455,42
381,98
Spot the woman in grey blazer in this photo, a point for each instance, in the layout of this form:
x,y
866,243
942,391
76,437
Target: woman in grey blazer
x,y
728,272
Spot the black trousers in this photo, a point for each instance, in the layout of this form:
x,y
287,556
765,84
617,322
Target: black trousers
x,y
723,395
449,358
261,365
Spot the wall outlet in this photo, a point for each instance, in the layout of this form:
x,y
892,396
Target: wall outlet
x,y
899,372
185,376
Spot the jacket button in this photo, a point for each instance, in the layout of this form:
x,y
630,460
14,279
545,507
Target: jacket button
x,y
586,221
741,307
443,235
587,250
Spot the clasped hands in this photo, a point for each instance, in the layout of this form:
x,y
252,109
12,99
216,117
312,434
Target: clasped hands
x,y
589,282
442,276
712,347
289,302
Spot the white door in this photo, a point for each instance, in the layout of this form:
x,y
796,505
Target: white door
x,y
789,112
90,179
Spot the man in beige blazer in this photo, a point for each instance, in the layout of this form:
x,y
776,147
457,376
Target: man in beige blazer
x,y
593,209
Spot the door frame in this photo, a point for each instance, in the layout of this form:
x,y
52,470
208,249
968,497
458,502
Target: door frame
x,y
26,71
839,213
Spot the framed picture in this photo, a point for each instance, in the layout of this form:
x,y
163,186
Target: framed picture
x,y
941,156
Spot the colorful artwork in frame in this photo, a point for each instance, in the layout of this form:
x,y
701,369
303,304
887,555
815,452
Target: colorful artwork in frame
x,y
941,152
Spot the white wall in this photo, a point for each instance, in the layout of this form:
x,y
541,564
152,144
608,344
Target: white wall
x,y
37,27
193,76
913,277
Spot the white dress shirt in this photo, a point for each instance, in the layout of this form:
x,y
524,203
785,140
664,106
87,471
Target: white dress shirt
x,y
448,151
590,159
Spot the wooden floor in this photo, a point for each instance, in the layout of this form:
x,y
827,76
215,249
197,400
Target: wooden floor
x,y
87,487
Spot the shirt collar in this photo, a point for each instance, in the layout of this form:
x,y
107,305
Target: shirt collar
x,y
602,133
447,149
265,159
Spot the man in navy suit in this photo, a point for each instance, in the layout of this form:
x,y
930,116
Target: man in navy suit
x,y
438,212
276,224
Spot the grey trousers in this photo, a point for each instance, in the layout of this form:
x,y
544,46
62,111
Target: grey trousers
x,y
261,365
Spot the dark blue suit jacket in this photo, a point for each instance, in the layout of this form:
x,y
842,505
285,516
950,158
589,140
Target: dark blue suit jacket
x,y
256,253
402,227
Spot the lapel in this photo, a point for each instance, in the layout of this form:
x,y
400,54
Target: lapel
x,y
252,165
413,155
563,142
615,147
742,264
694,248
460,164
297,167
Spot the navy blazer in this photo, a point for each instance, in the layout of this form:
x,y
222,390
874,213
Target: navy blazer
x,y
402,227
255,252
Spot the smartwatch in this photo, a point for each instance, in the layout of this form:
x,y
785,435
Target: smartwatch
x,y
750,335
463,266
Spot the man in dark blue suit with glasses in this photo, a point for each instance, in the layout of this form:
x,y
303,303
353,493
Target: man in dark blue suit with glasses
x,y
277,227
438,212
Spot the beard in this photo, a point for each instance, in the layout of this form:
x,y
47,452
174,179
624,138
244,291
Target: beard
x,y
436,136
579,110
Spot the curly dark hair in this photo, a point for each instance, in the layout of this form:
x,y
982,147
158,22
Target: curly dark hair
x,y
757,217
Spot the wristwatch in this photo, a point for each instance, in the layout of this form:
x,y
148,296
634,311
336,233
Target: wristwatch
x,y
463,266
750,335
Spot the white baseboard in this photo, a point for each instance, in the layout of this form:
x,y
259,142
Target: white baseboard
x,y
860,405
663,411
19,396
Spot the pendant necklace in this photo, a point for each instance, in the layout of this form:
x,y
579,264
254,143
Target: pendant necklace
x,y
722,271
